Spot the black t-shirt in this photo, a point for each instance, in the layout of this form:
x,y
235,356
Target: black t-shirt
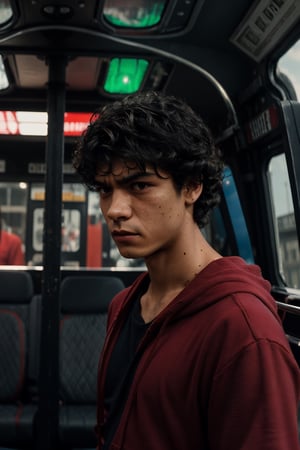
x,y
121,368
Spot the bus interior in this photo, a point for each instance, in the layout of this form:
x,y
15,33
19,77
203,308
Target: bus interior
x,y
237,64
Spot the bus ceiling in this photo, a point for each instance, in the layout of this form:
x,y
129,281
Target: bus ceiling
x,y
193,49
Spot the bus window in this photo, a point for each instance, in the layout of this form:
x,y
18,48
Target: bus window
x,y
73,225
284,220
288,65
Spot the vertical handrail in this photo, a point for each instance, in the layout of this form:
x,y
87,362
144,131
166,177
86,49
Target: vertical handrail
x,y
48,414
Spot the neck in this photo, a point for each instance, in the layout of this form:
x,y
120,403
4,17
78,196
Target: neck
x,y
171,271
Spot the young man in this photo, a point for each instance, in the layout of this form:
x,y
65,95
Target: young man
x,y
195,357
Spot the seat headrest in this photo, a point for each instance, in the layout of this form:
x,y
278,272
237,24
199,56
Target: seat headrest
x,y
88,294
15,286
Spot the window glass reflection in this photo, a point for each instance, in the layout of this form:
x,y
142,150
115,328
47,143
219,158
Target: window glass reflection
x,y
284,220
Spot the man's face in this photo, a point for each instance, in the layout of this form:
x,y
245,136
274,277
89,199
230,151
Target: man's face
x,y
144,212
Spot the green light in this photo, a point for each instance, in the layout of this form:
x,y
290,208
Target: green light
x,y
125,75
140,14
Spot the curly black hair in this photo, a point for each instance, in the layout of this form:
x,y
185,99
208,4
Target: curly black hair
x,y
153,129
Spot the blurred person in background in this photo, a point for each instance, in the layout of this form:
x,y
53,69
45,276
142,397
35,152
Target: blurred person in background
x,y
11,248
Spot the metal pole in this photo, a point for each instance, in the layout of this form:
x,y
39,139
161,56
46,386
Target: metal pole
x,y
48,414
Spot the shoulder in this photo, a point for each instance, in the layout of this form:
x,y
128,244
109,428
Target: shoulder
x,y
245,335
258,314
10,238
244,322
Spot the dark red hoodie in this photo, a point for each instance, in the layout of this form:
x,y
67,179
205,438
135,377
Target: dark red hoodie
x,y
216,371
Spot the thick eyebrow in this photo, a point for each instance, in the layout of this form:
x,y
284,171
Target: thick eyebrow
x,y
129,178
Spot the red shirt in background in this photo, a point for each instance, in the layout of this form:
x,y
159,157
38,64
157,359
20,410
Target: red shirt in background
x,y
11,252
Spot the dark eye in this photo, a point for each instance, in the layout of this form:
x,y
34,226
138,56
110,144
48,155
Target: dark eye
x,y
103,190
139,185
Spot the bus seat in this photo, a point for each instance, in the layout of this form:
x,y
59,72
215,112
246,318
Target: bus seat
x,y
17,404
84,305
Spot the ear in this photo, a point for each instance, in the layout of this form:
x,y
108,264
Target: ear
x,y
192,192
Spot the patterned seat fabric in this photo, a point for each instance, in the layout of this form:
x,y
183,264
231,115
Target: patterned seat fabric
x,y
17,405
84,305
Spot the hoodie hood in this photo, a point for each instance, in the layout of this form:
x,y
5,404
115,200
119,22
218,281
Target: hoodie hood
x,y
224,277
221,278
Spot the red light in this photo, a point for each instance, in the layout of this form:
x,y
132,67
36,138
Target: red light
x,y
76,123
26,123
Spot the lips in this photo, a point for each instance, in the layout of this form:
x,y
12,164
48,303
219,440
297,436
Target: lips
x,y
121,233
123,236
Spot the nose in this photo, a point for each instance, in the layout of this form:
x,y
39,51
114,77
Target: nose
x,y
119,207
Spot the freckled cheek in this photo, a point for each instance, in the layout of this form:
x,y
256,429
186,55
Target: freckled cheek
x,y
163,210
167,211
160,210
